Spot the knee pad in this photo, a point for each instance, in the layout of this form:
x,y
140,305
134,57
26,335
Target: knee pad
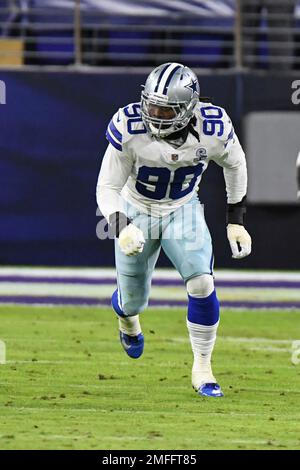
x,y
200,286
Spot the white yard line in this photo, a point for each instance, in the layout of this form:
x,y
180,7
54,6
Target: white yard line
x,y
237,339
50,437
271,349
157,292
150,412
60,290
58,272
233,339
45,362
158,273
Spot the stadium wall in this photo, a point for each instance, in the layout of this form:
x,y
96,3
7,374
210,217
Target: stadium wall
x,y
52,141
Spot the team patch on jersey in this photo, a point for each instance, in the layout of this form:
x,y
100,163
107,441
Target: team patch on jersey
x,y
174,157
201,154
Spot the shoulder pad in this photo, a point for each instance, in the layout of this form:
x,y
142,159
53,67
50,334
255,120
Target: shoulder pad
x,y
216,122
126,123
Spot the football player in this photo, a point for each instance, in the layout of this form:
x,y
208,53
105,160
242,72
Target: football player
x,y
147,190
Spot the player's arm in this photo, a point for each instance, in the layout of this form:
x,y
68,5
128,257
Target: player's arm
x,y
115,170
233,161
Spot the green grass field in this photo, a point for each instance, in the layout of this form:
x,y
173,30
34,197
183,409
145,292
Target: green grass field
x,y
67,383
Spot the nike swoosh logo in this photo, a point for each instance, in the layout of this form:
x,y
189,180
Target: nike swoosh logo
x,y
126,346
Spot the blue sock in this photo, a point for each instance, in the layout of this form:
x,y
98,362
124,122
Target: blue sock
x,y
204,311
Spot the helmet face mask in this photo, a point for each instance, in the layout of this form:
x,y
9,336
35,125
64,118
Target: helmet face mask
x,y
161,119
168,100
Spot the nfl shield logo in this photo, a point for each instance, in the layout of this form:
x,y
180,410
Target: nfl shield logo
x,y
174,157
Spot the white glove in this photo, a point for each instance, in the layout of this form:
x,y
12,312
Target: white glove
x,y
131,240
238,234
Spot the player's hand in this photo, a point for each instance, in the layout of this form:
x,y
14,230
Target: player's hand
x,y
131,240
238,234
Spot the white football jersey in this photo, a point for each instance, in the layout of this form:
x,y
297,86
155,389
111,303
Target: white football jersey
x,y
153,175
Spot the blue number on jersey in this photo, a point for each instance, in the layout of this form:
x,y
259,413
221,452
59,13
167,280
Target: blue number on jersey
x,y
160,184
161,181
212,121
134,113
176,191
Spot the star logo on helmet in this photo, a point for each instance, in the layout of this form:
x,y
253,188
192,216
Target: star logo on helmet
x,y
192,86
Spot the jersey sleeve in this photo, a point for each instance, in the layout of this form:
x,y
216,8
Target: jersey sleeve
x,y
231,157
115,169
115,131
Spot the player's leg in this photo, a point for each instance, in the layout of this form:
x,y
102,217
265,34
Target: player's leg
x,y
202,324
134,275
130,331
188,245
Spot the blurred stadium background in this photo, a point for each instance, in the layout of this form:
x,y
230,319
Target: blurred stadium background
x,y
66,66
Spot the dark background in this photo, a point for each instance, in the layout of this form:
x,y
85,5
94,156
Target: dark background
x,y
51,145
